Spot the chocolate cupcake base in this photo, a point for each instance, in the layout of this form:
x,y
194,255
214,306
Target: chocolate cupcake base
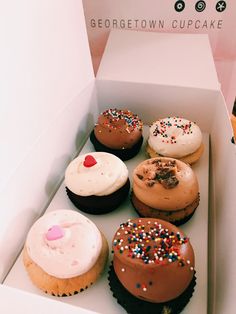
x,y
178,217
123,154
134,305
99,204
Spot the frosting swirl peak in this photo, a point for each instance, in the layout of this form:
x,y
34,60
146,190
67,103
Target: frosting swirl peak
x,y
106,176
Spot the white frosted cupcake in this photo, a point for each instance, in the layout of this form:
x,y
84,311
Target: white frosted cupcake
x,y
176,138
97,182
64,253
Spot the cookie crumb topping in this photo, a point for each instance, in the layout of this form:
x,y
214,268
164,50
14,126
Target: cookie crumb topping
x,y
157,171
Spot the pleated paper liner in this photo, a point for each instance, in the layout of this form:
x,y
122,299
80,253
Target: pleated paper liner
x,y
69,294
134,305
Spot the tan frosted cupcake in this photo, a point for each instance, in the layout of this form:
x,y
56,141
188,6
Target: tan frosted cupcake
x,y
165,188
64,253
176,138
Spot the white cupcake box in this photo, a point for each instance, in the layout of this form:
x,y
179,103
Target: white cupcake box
x,y
54,106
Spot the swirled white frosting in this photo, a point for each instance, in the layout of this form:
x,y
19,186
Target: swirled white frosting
x,y
105,177
69,253
174,137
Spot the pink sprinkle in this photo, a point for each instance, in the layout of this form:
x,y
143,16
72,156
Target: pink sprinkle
x,y
54,233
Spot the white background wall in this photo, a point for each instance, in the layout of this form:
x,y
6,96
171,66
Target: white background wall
x,y
44,65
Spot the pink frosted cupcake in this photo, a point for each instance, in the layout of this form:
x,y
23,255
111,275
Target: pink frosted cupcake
x,y
64,253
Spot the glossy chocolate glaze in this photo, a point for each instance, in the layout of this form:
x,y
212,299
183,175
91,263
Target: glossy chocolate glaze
x,y
118,129
153,259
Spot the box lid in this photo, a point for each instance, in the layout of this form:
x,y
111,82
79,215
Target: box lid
x,y
159,58
45,71
25,302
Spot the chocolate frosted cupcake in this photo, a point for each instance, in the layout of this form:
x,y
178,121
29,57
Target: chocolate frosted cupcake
x,y
153,267
118,132
165,188
97,182
64,253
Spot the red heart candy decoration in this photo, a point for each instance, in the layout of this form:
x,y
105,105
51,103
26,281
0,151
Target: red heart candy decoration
x,y
89,161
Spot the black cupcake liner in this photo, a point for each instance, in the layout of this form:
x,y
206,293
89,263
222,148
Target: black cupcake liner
x,y
98,205
123,154
134,305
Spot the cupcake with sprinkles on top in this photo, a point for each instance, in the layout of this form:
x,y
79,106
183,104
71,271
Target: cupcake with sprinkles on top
x,y
118,132
153,267
177,138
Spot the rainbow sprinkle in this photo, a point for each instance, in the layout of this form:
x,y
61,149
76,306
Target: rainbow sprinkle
x,y
150,243
132,121
162,127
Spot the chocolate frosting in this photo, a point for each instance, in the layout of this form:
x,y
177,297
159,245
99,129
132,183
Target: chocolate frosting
x,y
118,129
153,259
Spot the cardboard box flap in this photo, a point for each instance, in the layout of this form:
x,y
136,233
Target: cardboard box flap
x,y
144,51
46,73
25,303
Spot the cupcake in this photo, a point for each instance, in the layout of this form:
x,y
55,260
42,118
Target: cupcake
x,y
64,253
118,132
153,267
165,188
177,138
97,182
